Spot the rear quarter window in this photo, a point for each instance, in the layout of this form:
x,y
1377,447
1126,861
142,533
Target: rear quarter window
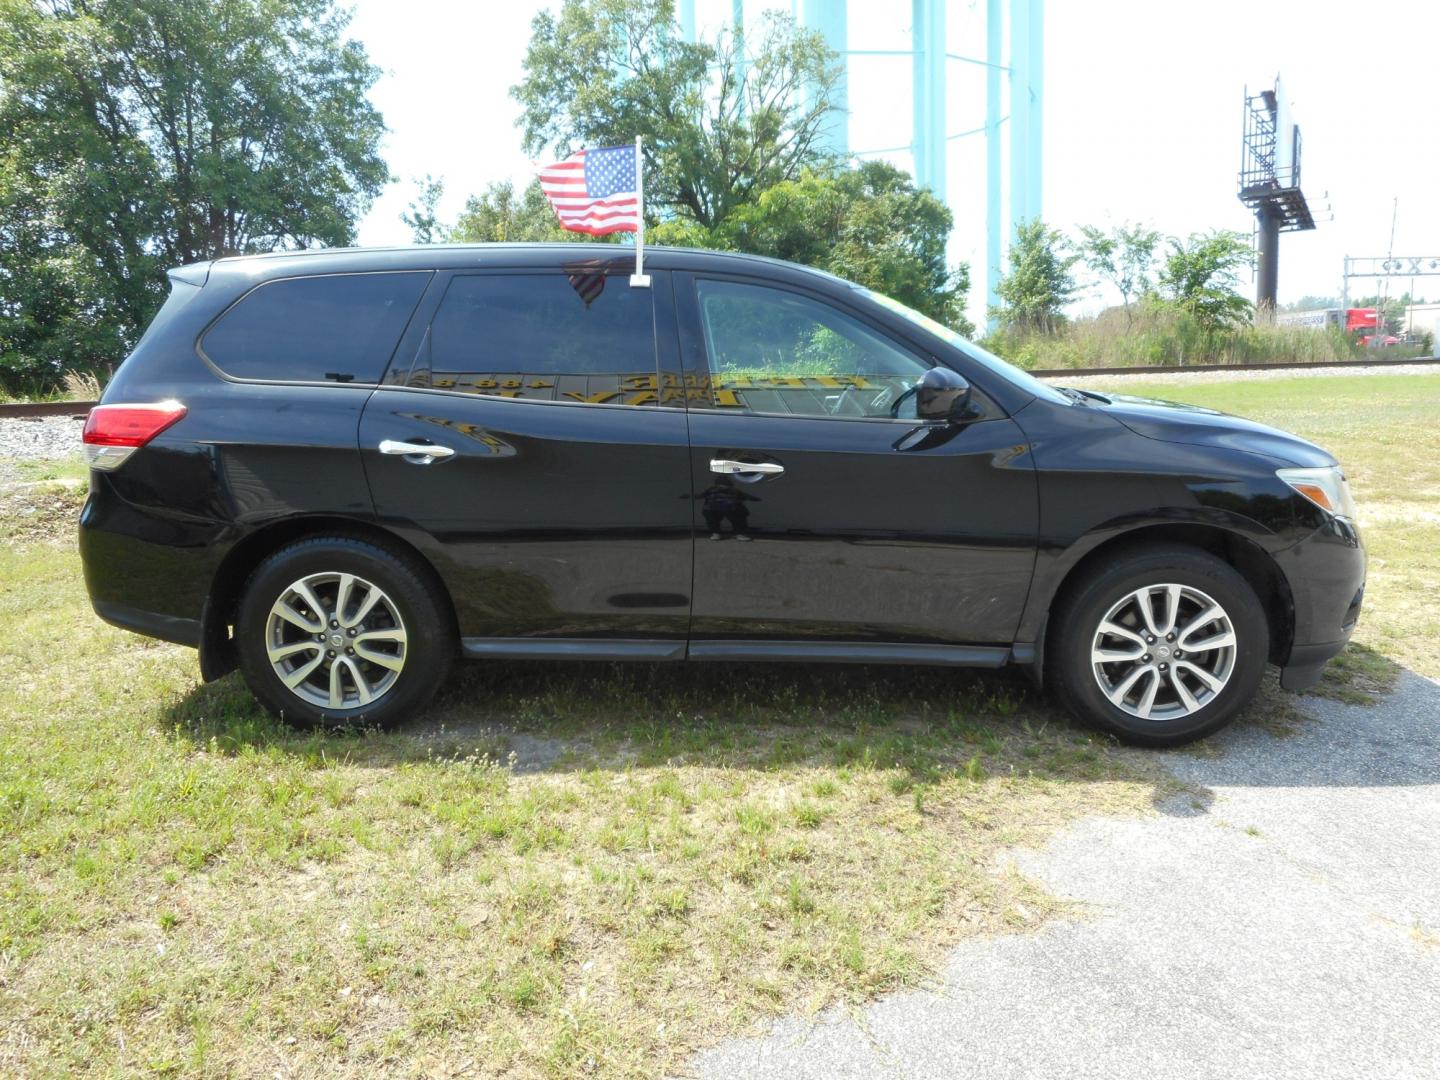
x,y
335,328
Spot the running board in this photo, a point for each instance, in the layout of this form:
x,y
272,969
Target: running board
x,y
483,648
851,652
736,651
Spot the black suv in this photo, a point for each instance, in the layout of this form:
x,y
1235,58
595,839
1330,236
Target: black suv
x,y
342,469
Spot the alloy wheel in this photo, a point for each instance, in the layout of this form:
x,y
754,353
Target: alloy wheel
x,y
336,640
1163,652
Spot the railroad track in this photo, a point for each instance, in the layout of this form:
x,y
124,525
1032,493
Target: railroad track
x,y
46,408
81,408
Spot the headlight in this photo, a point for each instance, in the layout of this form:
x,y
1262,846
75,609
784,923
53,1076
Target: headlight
x,y
1326,488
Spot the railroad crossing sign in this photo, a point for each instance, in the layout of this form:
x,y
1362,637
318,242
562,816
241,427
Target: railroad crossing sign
x,y
1378,266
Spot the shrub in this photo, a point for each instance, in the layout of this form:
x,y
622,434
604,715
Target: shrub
x,y
1160,333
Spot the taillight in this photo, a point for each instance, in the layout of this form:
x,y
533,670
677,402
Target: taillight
x,y
114,432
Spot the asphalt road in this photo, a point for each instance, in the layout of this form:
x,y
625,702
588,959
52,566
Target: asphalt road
x,y
1284,923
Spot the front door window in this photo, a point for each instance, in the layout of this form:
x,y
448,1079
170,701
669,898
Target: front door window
x,y
782,353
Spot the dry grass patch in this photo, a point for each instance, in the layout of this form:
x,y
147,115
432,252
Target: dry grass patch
x,y
40,500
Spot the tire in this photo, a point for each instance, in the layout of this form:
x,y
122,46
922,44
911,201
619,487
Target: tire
x,y
392,644
1192,580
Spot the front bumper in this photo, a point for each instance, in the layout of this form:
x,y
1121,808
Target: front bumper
x,y
1307,664
1326,575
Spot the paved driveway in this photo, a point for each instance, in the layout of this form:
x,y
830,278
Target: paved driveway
x,y
1285,923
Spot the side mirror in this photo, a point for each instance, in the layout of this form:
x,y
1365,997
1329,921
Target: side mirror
x,y
942,396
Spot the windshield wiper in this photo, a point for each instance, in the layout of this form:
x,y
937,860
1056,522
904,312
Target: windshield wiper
x,y
1083,397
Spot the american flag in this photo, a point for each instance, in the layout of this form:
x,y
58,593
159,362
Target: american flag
x,y
587,281
595,191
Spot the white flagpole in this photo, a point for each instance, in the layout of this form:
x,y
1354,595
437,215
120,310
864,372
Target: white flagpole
x,y
640,279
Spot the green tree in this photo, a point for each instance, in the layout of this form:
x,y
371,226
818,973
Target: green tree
x,y
141,134
722,121
1039,284
53,299
1201,276
500,216
1123,257
1394,312
869,224
423,216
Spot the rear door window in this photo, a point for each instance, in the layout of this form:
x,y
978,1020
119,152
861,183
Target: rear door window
x,y
335,328
583,336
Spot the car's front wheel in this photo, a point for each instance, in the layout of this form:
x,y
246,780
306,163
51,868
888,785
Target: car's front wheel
x,y
1161,647
334,631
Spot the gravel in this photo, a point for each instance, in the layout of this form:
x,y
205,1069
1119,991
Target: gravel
x,y
38,438
1283,920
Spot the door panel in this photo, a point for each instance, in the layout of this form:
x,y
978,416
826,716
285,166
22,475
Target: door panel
x,y
865,526
562,508
549,519
857,540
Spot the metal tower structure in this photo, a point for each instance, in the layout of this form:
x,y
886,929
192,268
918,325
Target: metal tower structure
x,y
1012,127
1270,185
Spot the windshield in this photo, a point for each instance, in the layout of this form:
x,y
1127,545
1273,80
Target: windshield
x,y
983,357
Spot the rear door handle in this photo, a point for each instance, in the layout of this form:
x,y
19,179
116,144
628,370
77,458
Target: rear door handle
x,y
416,453
726,467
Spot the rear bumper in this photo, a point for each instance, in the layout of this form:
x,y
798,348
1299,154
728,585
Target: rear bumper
x,y
150,623
143,572
1326,575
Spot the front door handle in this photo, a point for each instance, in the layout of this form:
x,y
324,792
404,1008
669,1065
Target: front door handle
x,y
416,453
726,467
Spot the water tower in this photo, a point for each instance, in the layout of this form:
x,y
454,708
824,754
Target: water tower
x,y
953,93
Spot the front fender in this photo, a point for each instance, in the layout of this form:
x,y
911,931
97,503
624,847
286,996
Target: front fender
x,y
1175,525
1100,484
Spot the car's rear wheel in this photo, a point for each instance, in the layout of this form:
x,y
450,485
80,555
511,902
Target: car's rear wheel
x,y
1161,647
335,631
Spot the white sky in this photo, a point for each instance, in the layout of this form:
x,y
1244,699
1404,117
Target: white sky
x,y
1142,115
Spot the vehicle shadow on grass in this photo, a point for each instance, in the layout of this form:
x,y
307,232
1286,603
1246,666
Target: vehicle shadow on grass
x,y
924,722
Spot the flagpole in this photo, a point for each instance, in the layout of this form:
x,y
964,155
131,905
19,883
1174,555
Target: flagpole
x,y
640,279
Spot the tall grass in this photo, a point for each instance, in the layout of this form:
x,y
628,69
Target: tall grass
x,y
1165,336
75,384
80,386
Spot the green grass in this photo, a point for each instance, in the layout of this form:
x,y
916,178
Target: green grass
x,y
582,870
71,470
